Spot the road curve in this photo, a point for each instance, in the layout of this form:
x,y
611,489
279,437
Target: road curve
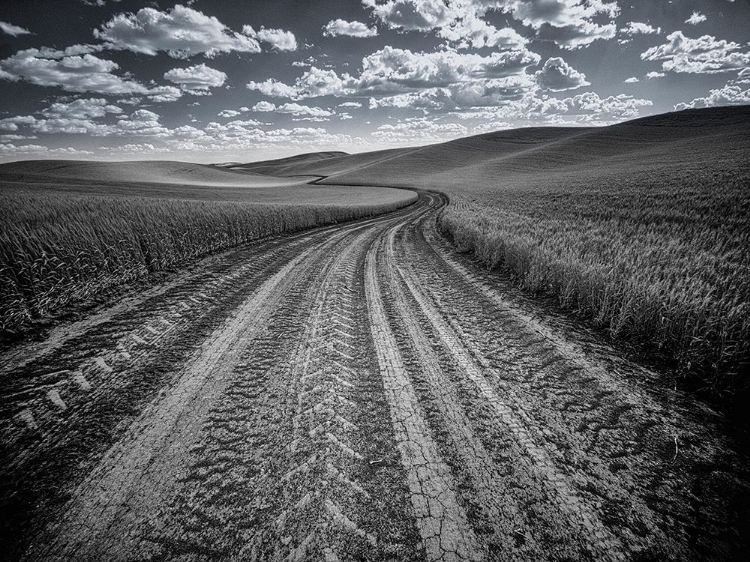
x,y
353,392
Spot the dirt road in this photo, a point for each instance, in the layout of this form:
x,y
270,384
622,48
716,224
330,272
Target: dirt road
x,y
356,392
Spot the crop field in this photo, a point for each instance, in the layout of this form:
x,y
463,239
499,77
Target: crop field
x,y
643,227
383,386
67,240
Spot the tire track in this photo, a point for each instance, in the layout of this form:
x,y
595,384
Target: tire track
x,y
631,450
601,544
186,476
442,522
154,445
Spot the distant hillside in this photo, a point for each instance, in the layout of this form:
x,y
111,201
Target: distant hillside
x,y
669,139
155,172
287,166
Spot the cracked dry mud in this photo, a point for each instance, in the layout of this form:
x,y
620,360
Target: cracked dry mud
x,y
354,392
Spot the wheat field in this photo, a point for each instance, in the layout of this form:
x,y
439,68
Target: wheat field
x,y
63,246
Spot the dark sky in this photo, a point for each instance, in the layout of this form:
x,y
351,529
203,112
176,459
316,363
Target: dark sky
x,y
241,80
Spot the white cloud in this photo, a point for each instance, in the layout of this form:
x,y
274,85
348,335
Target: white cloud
x,y
411,15
460,21
696,18
15,123
272,88
196,79
612,107
228,113
13,30
392,70
470,30
351,28
651,75
728,95
165,94
576,36
76,73
417,131
631,80
264,106
639,28
81,109
9,149
705,54
388,72
350,104
568,23
297,109
279,39
292,108
557,75
180,32
316,82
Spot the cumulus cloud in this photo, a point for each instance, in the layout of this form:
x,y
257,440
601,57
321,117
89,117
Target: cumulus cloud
x,y
481,93
728,95
631,80
75,73
9,149
704,54
196,79
460,21
351,28
279,39
293,109
419,15
617,107
81,109
228,113
272,88
557,75
180,32
14,30
418,130
651,75
471,30
568,23
696,18
350,104
639,28
392,70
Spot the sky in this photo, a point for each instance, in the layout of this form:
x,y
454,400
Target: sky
x,y
245,80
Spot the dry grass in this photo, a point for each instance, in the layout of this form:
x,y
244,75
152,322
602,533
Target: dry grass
x,y
58,250
662,260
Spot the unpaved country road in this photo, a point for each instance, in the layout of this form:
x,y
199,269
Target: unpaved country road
x,y
355,392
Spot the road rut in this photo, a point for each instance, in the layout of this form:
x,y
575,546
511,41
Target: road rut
x,y
354,392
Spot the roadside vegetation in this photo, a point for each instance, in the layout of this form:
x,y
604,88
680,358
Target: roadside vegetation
x,y
60,250
663,259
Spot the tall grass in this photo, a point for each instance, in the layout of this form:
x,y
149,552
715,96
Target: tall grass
x,y
658,254
59,250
